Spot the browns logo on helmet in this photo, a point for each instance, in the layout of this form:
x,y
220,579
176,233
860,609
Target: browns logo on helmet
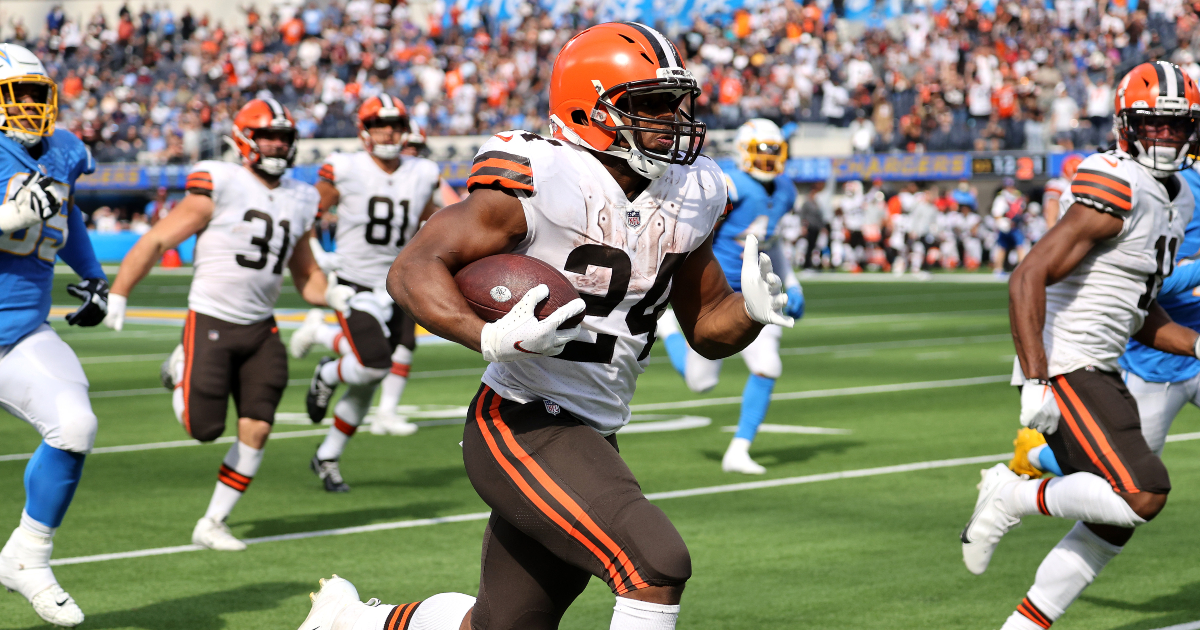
x,y
381,111
609,71
1157,119
258,116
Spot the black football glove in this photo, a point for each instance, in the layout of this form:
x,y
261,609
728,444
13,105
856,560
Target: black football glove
x,y
94,293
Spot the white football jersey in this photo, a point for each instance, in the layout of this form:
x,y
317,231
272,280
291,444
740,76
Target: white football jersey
x,y
377,212
241,254
620,255
1092,313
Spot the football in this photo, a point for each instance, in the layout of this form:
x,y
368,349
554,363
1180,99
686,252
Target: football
x,y
492,285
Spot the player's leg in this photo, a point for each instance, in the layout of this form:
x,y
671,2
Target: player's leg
x,y
42,382
367,364
313,331
404,341
566,487
762,359
700,374
1159,404
348,415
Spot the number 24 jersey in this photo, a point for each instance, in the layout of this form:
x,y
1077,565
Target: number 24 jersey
x,y
620,255
241,254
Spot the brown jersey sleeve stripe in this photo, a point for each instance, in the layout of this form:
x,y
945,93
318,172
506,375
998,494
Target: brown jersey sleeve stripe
x,y
502,155
1092,438
1100,199
1113,180
400,617
326,172
476,181
483,170
500,163
1103,183
499,439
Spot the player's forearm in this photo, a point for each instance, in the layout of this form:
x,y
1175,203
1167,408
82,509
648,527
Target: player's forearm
x,y
137,264
1027,318
1160,333
425,289
78,251
724,330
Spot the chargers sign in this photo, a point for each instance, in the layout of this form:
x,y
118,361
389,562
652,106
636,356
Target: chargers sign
x,y
903,167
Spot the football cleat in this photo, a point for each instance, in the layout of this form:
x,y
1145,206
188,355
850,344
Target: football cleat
x,y
25,569
737,459
215,535
1026,440
171,370
327,470
335,606
391,424
990,522
306,336
319,394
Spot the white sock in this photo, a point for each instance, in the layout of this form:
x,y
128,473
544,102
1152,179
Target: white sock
x,y
328,336
1079,496
444,611
348,415
237,471
348,370
1068,569
392,387
632,614
35,529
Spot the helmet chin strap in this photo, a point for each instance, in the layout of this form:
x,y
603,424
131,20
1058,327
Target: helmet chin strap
x,y
386,151
25,139
642,165
272,165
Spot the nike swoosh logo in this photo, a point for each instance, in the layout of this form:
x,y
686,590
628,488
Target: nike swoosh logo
x,y
517,345
1112,164
504,138
64,600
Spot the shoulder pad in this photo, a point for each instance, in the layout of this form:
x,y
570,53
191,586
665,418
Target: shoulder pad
x,y
200,178
504,161
66,157
1102,182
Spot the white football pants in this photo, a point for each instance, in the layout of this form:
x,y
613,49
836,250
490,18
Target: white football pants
x,y
761,357
1159,403
42,383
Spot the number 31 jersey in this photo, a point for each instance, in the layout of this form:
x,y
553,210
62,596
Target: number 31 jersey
x,y
241,254
620,256
377,212
1091,314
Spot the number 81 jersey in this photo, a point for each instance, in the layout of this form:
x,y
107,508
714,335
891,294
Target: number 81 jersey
x,y
241,254
1092,313
377,212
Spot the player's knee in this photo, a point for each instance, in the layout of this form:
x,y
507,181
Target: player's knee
x,y
206,433
1146,505
767,367
701,383
661,555
76,433
367,375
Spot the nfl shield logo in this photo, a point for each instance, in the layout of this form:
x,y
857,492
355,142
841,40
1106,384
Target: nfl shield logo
x,y
552,408
213,335
633,218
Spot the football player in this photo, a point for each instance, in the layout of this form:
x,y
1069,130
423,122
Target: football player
x,y
1087,286
759,194
41,380
252,221
620,200
382,197
1053,191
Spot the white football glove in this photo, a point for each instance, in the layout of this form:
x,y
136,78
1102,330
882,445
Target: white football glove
x,y
327,261
760,287
115,319
35,201
1039,409
519,335
337,296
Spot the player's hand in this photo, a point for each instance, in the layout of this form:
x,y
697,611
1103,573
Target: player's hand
x,y
1039,409
116,312
327,261
94,293
337,296
760,287
35,201
519,335
795,303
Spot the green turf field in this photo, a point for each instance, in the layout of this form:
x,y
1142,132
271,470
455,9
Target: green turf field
x,y
876,551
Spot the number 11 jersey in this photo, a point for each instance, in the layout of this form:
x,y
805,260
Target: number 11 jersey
x,y
241,254
377,212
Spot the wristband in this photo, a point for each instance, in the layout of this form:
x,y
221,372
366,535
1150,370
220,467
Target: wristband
x,y
1042,381
1196,348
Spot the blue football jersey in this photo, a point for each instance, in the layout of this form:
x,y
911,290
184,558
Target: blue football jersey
x,y
752,211
1181,301
27,256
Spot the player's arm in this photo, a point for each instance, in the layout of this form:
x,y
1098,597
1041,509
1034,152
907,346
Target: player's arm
x,y
1050,210
711,315
1184,279
189,217
487,222
310,281
791,284
1051,260
78,253
329,195
1160,333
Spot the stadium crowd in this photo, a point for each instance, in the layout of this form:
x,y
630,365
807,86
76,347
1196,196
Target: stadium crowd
x,y
159,87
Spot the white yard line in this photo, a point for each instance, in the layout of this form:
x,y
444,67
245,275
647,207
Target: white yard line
x,y
789,428
1195,625
122,358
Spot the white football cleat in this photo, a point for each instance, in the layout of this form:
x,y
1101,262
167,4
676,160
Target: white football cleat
x,y
335,606
215,535
25,568
306,336
990,522
385,424
171,371
737,459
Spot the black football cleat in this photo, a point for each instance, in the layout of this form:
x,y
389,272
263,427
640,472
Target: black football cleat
x,y
319,394
327,470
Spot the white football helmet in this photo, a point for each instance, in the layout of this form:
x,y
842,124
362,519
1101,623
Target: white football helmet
x,y
26,123
762,151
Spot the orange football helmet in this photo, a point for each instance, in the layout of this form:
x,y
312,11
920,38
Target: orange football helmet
x,y
380,110
607,72
1070,165
1157,119
263,114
